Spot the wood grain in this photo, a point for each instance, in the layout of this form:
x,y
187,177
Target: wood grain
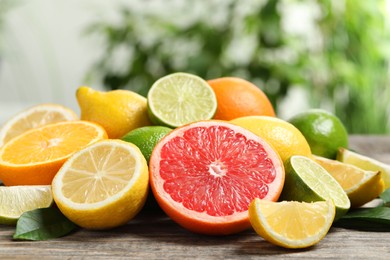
x,y
152,235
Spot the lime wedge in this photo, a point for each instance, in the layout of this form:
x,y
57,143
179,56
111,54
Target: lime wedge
x,y
15,200
308,181
366,163
180,98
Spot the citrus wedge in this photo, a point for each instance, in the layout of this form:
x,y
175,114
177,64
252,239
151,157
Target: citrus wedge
x,y
34,157
16,200
180,98
308,181
102,186
292,224
205,174
366,163
360,185
34,117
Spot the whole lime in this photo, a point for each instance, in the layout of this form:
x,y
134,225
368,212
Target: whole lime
x,y
324,131
146,138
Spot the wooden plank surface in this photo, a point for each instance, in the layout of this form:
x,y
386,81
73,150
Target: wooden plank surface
x,y
152,235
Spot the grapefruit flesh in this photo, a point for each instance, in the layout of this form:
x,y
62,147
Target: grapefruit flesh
x,y
204,176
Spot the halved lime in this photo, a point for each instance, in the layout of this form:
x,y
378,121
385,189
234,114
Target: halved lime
x,y
308,181
15,200
366,163
180,98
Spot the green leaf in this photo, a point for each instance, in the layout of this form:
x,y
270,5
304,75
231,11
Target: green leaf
x,y
368,219
385,196
42,224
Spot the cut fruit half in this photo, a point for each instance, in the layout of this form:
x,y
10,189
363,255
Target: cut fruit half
x,y
34,117
360,185
180,98
308,181
102,186
205,174
34,157
292,224
366,163
19,199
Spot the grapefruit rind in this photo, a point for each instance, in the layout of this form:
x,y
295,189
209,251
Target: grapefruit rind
x,y
202,222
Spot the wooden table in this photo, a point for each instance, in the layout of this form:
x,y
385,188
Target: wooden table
x,y
152,235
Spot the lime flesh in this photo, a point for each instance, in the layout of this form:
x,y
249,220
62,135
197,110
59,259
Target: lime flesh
x,y
180,98
308,181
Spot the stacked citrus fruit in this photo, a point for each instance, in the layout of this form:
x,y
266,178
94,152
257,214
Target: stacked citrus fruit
x,y
215,155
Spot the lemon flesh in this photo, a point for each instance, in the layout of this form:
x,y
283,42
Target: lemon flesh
x,y
180,98
308,181
34,117
291,224
360,185
15,200
102,186
366,163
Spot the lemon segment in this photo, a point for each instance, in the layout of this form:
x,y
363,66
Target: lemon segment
x,y
291,224
360,185
16,200
366,163
102,186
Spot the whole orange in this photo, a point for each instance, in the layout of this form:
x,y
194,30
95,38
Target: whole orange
x,y
237,97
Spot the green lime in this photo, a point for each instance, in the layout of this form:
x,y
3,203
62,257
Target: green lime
x,y
308,181
15,200
146,138
324,132
180,98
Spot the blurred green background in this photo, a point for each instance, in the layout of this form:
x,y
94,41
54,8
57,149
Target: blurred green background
x,y
332,54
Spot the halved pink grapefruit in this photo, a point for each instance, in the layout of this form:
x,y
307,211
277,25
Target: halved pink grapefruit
x,y
205,174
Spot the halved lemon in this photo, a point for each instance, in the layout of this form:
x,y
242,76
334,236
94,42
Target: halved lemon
x,y
292,224
34,117
102,186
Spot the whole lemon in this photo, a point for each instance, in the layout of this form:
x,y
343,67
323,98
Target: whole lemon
x,y
118,111
285,138
323,130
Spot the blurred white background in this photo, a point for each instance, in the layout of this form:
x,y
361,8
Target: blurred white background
x,y
45,53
